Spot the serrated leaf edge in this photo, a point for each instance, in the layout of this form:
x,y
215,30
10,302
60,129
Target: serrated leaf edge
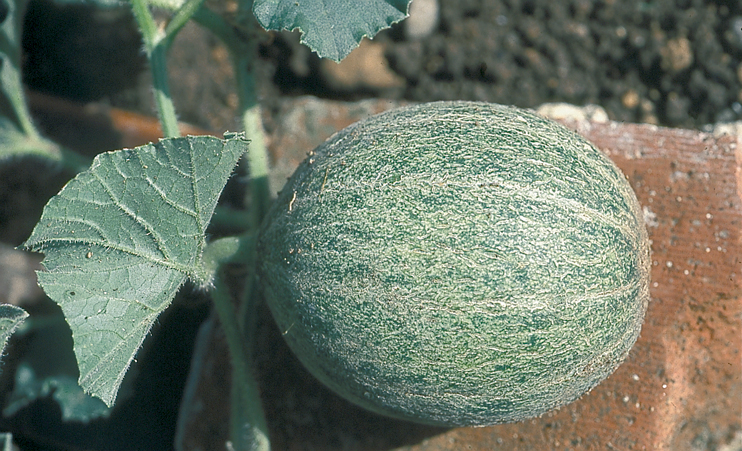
x,y
88,380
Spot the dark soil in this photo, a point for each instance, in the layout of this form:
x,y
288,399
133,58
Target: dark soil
x,y
671,62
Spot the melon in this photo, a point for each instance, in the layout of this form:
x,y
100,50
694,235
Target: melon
x,y
457,264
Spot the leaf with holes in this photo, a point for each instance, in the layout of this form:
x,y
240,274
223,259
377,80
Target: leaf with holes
x,y
121,238
332,28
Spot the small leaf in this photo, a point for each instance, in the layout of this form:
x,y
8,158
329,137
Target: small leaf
x,y
10,318
332,28
73,402
121,238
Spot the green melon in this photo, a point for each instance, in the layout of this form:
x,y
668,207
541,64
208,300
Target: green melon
x,y
457,263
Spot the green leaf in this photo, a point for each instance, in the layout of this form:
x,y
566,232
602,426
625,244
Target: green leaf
x,y
47,368
10,318
121,238
332,28
73,402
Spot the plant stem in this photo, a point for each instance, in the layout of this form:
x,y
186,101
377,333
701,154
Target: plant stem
x,y
243,48
243,53
165,106
248,428
244,62
229,220
181,17
12,83
156,44
257,156
10,70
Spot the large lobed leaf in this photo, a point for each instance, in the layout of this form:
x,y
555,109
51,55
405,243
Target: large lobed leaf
x,y
121,238
332,28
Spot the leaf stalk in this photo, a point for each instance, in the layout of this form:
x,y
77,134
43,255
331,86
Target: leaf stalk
x,y
156,44
243,49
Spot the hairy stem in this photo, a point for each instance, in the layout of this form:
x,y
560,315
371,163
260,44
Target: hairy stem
x,y
14,89
248,429
156,44
257,156
181,17
244,64
242,44
10,70
248,425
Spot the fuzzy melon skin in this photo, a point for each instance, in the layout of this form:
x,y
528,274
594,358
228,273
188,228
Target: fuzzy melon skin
x,y
457,263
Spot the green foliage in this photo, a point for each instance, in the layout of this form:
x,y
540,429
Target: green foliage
x,y
73,402
332,28
121,238
47,367
15,143
10,318
18,136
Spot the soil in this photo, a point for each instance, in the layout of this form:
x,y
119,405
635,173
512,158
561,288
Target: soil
x,y
674,63
670,62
